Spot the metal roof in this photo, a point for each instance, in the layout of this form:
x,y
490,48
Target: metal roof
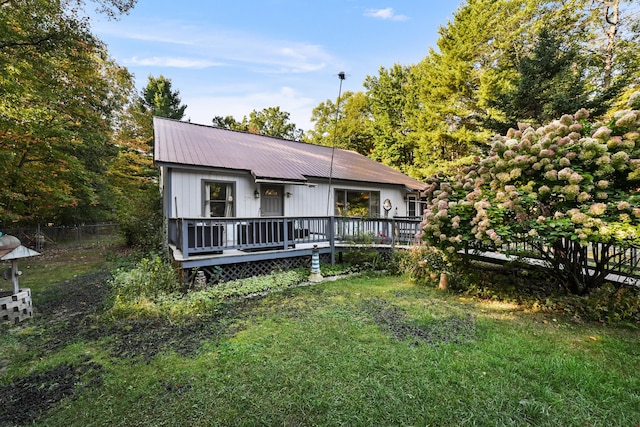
x,y
183,143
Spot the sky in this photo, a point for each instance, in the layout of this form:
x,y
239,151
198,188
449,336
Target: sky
x,y
232,57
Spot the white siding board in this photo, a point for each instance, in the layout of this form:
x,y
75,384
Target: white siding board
x,y
187,193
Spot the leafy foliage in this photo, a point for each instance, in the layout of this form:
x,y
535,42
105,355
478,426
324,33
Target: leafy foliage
x,y
561,188
348,128
151,289
56,114
270,121
150,278
141,221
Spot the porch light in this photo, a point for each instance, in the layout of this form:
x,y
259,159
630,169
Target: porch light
x,y
256,194
288,194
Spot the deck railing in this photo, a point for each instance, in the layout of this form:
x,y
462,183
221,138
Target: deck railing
x,y
622,261
198,236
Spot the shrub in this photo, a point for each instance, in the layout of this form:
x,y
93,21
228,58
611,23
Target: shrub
x,y
140,219
150,278
422,264
606,304
151,290
565,189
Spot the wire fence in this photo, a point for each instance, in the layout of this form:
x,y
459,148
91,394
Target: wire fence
x,y
79,236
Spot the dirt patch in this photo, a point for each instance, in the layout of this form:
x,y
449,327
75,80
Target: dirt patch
x,y
25,399
393,320
70,312
142,340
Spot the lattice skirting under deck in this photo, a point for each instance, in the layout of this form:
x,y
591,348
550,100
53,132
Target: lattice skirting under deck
x,y
228,272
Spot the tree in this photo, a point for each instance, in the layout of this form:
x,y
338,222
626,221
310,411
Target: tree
x,y
486,74
551,82
350,130
454,85
160,100
271,121
567,188
388,94
227,122
56,114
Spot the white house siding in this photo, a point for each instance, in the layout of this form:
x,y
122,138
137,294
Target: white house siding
x,y
186,192
312,201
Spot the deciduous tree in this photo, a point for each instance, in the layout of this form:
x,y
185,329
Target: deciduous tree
x,y
388,94
56,114
272,121
349,128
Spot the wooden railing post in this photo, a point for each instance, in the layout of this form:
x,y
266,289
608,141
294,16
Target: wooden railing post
x,y
393,234
285,232
332,239
185,238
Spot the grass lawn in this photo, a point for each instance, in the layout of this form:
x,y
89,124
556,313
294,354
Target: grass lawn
x,y
361,351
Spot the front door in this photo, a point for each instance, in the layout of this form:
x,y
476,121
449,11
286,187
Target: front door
x,y
272,200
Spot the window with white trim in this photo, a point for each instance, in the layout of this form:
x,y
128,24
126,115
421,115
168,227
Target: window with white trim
x,y
219,199
357,203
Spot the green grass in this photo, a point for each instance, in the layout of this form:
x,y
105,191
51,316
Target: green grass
x,y
362,351
58,265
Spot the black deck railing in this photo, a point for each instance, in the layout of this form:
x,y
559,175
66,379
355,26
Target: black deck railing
x,y
199,236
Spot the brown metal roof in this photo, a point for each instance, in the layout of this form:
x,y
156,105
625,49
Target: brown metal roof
x,y
182,143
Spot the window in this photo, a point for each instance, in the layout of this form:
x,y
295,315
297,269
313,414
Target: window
x,y
414,206
357,203
218,199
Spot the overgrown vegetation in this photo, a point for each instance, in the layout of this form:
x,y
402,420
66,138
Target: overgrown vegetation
x,y
152,289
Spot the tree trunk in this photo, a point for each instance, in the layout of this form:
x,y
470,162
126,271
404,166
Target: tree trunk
x,y
444,281
611,17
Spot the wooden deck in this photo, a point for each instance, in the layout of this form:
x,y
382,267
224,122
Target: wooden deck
x,y
207,242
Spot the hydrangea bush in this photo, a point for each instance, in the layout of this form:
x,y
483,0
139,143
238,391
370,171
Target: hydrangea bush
x,y
571,189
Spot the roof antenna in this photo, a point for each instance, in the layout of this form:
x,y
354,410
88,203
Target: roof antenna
x,y
342,76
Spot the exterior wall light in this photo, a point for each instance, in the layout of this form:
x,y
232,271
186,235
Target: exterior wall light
x,y
256,194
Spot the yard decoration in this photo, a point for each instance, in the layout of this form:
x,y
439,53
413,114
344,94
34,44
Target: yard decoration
x,y
315,275
570,189
14,305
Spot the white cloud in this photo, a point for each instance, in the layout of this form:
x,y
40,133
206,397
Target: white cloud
x,y
173,62
201,109
257,52
386,13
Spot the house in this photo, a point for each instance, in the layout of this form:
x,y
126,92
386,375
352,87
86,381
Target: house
x,y
228,194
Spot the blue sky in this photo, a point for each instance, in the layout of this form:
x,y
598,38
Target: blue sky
x,y
231,57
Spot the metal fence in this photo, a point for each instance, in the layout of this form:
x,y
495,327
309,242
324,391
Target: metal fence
x,y
78,236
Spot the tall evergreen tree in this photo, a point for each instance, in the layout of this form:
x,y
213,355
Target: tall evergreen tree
x,y
551,82
159,99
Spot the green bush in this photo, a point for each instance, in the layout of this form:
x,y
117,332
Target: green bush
x,y
421,264
141,221
608,304
152,290
150,278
